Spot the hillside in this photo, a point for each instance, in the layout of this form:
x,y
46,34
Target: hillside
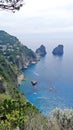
x,y
18,54
7,39
8,75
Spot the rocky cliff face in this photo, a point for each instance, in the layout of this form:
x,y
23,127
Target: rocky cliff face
x,y
58,50
23,58
41,51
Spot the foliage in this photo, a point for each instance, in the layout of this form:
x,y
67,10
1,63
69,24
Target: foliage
x,y
3,97
12,112
20,113
11,4
5,38
8,73
64,118
5,125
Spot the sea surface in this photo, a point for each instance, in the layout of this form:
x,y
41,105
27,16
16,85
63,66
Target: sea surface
x,y
54,76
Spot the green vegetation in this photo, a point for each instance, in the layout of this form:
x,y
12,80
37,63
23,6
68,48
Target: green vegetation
x,y
6,39
12,112
18,112
7,70
8,76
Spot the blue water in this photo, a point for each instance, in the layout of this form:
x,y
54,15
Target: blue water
x,y
51,71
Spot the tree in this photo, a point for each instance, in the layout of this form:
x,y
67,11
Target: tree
x,y
11,4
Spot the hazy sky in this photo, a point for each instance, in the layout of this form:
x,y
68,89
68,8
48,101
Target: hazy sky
x,y
39,16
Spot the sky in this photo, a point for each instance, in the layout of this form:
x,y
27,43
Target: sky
x,y
39,16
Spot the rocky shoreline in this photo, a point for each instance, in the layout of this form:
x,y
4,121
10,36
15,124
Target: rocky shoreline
x,y
40,52
20,78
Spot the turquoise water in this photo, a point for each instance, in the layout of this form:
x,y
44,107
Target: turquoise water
x,y
50,72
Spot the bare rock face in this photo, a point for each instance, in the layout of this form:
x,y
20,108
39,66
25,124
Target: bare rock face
x,y
58,50
41,51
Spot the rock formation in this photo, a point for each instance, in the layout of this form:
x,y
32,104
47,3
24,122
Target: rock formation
x,y
41,51
58,50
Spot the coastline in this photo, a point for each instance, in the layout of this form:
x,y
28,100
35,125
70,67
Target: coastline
x,y
20,78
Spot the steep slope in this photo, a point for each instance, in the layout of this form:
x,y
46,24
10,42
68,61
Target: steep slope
x,y
7,39
8,74
12,49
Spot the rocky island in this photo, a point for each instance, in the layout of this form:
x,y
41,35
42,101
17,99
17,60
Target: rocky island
x,y
41,51
58,51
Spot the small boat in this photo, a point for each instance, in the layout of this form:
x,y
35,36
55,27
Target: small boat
x,y
34,82
51,89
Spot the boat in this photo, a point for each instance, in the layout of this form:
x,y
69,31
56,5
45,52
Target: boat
x,y
51,89
34,82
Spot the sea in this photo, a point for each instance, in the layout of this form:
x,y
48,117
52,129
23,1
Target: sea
x,y
54,76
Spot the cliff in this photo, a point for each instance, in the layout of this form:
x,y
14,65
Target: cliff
x,y
41,51
58,50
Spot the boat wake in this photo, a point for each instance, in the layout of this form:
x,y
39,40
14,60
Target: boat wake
x,y
36,73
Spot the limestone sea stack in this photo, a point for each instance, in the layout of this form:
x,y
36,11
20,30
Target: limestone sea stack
x,y
58,51
41,51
